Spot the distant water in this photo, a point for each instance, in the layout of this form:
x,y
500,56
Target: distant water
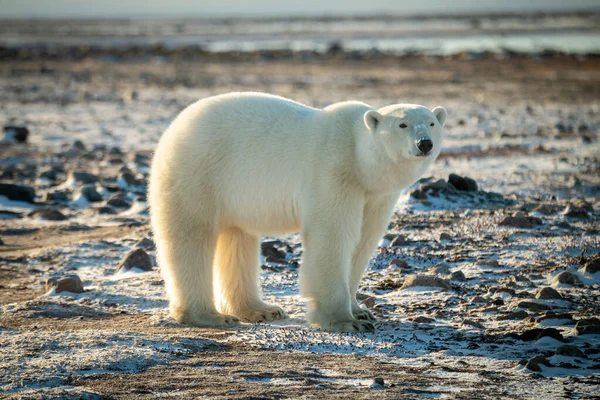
x,y
568,33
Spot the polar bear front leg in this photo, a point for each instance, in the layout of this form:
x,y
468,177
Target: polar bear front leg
x,y
376,216
330,232
237,278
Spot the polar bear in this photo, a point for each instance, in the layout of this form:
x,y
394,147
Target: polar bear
x,y
237,166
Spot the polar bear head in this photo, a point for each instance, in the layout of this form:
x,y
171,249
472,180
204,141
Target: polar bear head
x,y
407,131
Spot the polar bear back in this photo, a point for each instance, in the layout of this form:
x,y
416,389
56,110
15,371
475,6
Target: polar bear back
x,y
256,155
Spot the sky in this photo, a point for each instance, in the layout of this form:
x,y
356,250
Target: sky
x,y
199,8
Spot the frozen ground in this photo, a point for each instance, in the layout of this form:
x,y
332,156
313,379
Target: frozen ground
x,y
526,131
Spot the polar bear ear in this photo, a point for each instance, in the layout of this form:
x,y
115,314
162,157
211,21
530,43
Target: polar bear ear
x,y
440,114
372,119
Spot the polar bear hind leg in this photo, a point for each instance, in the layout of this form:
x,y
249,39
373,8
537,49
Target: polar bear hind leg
x,y
237,278
186,254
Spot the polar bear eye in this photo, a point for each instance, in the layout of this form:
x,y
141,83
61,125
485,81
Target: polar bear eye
x,y
403,126
431,124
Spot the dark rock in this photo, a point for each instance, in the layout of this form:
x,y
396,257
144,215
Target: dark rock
x,y
107,210
514,316
530,305
423,320
478,299
268,248
578,209
474,323
587,330
520,221
535,363
552,315
498,302
17,192
378,383
418,194
441,269
55,195
118,200
146,243
70,283
398,241
17,134
369,302
126,178
77,146
462,183
275,260
48,213
487,262
399,263
548,293
90,193
458,276
546,209
445,236
591,267
425,281
47,173
137,258
565,277
569,351
82,177
538,333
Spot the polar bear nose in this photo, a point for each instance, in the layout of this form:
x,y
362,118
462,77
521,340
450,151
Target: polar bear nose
x,y
425,145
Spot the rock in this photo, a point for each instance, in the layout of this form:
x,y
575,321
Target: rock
x,y
548,293
17,192
425,281
487,262
398,241
118,200
378,383
478,299
565,277
399,263
369,302
546,209
107,210
90,193
535,363
146,244
127,179
48,213
589,326
538,333
275,260
514,316
520,221
69,283
441,269
445,236
530,305
569,351
591,267
578,209
77,147
474,323
552,315
423,320
82,177
55,195
462,183
268,248
418,194
458,276
48,173
137,258
18,134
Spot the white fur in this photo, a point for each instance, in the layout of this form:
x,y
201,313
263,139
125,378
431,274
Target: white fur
x,y
231,168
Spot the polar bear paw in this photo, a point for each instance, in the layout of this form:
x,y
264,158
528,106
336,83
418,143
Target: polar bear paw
x,y
349,326
263,314
207,320
363,315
